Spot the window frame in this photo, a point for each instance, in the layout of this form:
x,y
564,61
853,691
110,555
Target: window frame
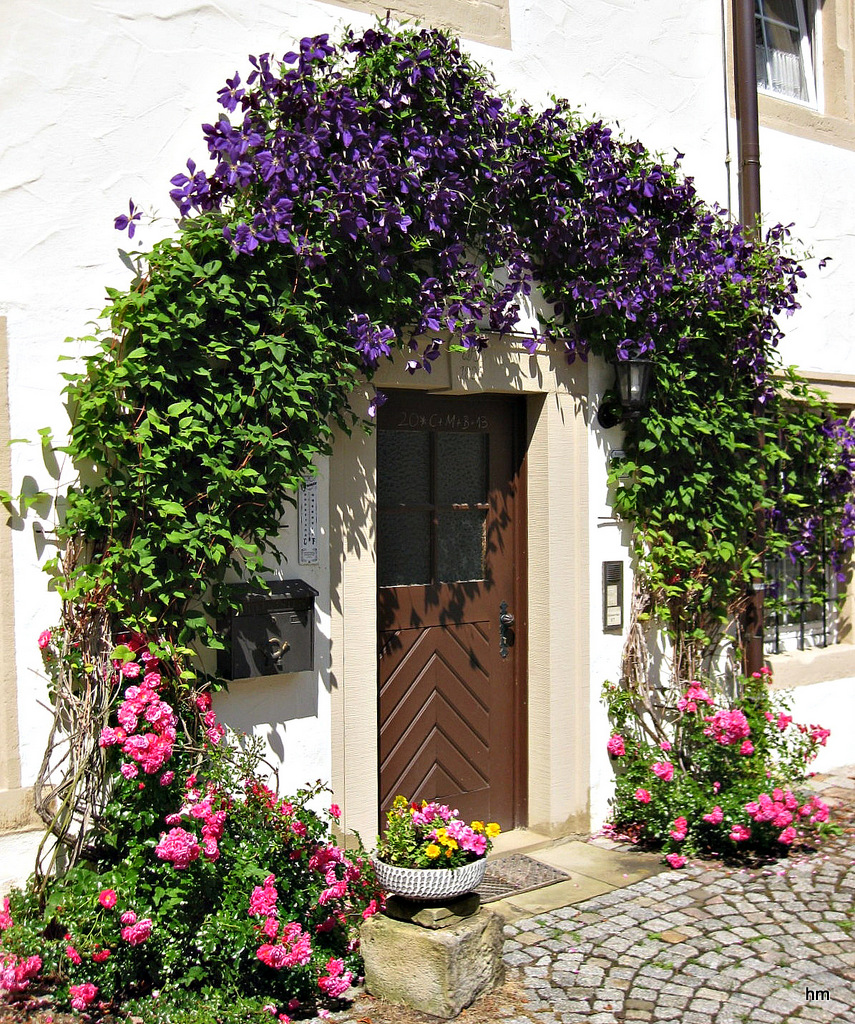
x,y
808,28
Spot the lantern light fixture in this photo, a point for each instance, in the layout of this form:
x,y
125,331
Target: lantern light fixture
x,y
630,396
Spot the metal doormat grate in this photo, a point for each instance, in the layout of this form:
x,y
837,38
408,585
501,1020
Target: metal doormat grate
x,y
514,874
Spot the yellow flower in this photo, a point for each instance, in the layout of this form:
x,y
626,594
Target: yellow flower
x,y
448,852
492,830
441,834
400,802
451,844
433,851
477,826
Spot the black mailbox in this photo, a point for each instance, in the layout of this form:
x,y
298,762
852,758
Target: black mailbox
x,y
273,632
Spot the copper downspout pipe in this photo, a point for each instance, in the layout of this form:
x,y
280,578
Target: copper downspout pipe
x,y
748,135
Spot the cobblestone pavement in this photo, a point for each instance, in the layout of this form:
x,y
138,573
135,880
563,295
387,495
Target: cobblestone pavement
x,y
704,944
707,943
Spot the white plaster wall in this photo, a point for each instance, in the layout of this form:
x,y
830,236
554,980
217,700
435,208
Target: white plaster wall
x,y
808,184
830,705
609,542
653,68
291,713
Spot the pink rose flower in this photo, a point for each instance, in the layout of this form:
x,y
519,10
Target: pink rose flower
x,y
676,860
44,639
663,770
715,817
136,934
680,829
262,902
694,695
130,669
615,746
179,847
335,811
337,980
739,833
107,898
787,836
82,995
727,727
747,748
642,796
665,745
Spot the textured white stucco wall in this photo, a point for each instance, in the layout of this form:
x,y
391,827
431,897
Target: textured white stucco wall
x,y
101,101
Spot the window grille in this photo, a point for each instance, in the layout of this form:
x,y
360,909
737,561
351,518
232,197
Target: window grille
x,y
784,45
793,619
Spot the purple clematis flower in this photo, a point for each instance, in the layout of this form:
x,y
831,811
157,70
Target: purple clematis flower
x,y
127,222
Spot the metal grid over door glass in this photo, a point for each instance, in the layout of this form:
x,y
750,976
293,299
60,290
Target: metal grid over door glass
x,y
432,503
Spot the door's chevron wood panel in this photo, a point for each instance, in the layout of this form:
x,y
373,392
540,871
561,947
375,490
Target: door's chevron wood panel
x,y
461,648
403,738
418,706
436,752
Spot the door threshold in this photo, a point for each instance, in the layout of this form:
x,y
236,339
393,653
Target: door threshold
x,y
518,840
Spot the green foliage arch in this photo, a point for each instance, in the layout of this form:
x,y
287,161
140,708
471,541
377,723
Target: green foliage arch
x,y
378,194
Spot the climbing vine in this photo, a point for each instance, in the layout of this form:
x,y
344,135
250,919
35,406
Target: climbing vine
x,y
378,194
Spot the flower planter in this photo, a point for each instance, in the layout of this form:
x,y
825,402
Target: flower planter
x,y
430,883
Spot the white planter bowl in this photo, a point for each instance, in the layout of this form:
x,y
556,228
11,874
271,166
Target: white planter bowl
x,y
430,883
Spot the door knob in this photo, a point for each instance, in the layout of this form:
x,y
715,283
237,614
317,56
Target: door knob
x,y
506,634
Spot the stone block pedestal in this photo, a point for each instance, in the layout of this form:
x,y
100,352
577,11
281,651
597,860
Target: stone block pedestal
x,y
437,959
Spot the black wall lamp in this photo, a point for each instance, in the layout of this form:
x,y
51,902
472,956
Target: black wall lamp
x,y
630,396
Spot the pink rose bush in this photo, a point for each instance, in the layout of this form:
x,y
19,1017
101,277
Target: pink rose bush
x,y
207,865
733,782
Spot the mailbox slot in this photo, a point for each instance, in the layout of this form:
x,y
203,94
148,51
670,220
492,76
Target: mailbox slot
x,y
273,633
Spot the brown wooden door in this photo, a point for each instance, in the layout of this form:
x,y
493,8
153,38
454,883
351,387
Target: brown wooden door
x,y
449,503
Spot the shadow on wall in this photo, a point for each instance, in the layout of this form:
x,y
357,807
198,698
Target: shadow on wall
x,y
248,704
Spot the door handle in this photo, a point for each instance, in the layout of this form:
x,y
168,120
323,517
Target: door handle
x,y
506,634
278,647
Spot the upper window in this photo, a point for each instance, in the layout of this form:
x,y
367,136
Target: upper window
x,y
783,36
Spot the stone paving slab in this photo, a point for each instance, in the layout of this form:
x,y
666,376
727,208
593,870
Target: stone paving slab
x,y
617,867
